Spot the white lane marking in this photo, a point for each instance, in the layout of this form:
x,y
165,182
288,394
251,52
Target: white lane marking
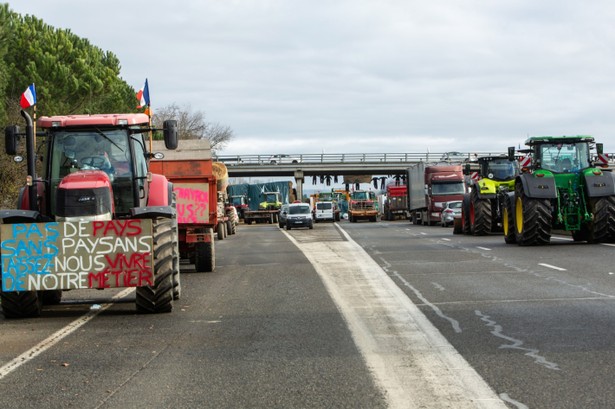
x,y
445,239
438,286
608,244
552,267
436,309
483,248
510,400
56,337
409,358
516,343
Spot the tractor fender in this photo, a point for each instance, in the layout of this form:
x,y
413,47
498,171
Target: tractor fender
x,y
538,187
599,185
160,191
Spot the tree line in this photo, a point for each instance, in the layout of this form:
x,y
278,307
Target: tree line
x,y
72,76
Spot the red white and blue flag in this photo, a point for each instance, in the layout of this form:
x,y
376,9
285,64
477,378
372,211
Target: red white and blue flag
x,y
28,98
143,96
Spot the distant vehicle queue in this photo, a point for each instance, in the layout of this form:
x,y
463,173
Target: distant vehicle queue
x,y
559,184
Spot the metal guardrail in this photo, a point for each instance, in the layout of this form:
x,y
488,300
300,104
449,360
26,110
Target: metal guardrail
x,y
356,158
328,158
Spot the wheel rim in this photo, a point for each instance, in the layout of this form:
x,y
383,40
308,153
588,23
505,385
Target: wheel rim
x,y
519,214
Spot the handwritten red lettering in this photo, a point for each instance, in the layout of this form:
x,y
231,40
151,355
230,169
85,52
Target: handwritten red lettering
x,y
128,228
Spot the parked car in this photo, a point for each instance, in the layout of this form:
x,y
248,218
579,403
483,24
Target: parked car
x,y
449,211
299,215
324,211
282,159
282,215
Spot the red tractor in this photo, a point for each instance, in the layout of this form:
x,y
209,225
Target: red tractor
x,y
94,218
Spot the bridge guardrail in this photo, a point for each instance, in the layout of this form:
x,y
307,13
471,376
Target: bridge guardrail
x,y
330,158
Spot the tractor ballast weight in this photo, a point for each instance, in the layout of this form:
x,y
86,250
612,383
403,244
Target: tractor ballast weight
x,y
560,188
94,218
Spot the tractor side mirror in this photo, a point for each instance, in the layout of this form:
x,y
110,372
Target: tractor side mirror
x,y
170,134
511,153
11,136
599,148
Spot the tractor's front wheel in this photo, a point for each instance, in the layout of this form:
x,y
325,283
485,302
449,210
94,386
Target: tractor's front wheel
x,y
158,297
465,214
21,304
480,215
508,219
532,219
602,227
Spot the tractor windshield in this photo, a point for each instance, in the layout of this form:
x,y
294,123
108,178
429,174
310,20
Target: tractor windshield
x,y
564,157
94,149
500,169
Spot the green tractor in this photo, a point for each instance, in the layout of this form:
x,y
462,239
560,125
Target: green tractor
x,y
559,188
481,209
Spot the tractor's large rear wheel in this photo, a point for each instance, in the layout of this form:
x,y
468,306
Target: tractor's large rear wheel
x,y
602,228
532,219
508,220
465,214
480,215
159,297
22,304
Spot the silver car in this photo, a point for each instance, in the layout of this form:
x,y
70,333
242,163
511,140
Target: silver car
x,y
449,210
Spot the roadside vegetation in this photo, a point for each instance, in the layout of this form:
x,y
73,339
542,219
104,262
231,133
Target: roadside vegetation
x,y
72,76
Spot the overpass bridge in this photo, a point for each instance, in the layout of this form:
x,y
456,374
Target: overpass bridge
x,y
302,166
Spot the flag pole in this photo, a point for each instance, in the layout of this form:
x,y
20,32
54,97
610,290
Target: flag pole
x,y
34,125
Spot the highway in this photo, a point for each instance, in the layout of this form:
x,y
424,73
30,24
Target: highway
x,y
347,315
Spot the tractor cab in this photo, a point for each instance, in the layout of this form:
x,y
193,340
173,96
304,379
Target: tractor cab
x,y
498,168
561,156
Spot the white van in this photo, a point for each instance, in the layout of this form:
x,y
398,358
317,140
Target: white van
x,y
324,211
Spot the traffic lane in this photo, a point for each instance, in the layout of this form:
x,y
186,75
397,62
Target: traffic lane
x,y
260,331
524,329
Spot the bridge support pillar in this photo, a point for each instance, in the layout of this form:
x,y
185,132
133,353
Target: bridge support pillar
x,y
299,181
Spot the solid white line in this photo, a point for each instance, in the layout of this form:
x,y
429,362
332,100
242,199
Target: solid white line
x,y
553,267
56,337
410,359
483,248
608,244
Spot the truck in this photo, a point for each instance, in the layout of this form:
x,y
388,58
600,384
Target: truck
x,y
95,217
491,178
560,188
429,187
396,202
362,206
190,170
268,209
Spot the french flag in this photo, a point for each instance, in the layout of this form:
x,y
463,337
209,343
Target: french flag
x,y
28,98
143,96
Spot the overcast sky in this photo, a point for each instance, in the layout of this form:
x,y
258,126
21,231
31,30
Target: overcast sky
x,y
299,76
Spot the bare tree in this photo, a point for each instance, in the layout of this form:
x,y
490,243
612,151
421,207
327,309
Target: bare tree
x,y
192,125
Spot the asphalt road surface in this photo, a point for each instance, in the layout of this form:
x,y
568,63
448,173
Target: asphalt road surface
x,y
346,315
